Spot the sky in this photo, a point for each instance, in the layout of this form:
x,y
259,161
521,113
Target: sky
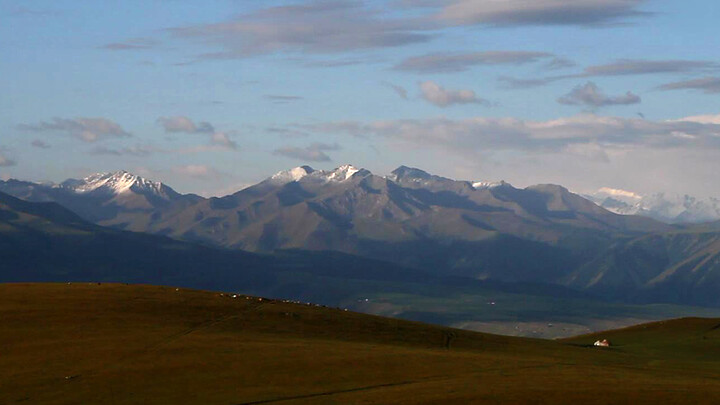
x,y
212,96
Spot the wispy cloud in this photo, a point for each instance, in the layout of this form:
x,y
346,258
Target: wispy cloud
x,y
286,132
6,161
85,129
283,99
625,67
197,171
707,85
441,97
508,82
184,125
590,95
399,90
482,134
137,150
540,12
313,27
312,153
558,63
458,62
131,44
223,140
37,143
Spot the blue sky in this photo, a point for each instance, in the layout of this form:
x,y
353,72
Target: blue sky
x,y
215,95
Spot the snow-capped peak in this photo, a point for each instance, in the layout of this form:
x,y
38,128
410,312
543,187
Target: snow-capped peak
x,y
666,207
119,182
294,174
479,185
343,172
307,173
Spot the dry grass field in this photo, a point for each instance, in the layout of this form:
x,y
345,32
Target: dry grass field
x,y
86,343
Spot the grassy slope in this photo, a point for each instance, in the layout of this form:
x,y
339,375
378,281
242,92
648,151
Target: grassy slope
x,y
143,344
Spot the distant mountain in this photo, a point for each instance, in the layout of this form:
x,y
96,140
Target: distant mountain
x,y
118,199
44,242
427,225
412,218
666,207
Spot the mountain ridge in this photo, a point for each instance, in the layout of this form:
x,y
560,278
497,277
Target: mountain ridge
x,y
411,218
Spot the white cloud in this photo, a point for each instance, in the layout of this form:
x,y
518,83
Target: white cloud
x,y
702,119
441,97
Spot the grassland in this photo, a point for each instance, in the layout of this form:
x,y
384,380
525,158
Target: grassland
x,y
126,344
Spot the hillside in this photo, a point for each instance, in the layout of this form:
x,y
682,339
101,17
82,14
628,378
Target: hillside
x,y
110,343
681,266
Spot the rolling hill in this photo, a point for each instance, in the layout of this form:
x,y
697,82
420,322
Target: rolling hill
x,y
122,344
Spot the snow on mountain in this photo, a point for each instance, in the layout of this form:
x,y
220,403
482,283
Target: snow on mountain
x,y
666,207
409,174
288,176
117,183
342,173
480,185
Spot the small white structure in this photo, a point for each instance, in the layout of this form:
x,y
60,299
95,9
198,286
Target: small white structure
x,y
602,343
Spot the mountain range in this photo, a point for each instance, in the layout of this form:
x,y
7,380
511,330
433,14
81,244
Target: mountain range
x,y
44,242
665,207
416,220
